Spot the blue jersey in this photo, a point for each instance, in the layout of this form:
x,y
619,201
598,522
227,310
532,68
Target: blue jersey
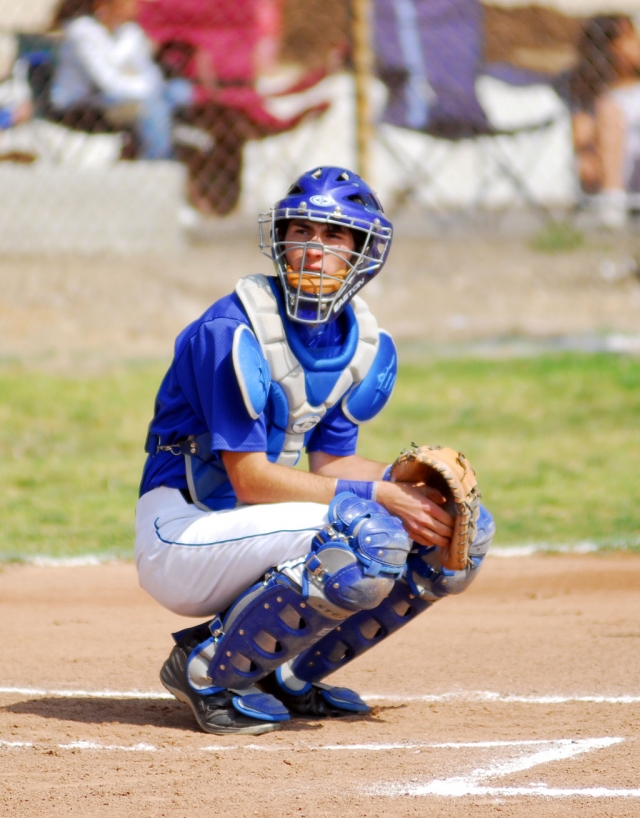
x,y
200,393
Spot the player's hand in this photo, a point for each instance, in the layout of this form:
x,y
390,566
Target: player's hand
x,y
419,508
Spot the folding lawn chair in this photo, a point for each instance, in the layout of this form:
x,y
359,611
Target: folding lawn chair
x,y
429,55
226,39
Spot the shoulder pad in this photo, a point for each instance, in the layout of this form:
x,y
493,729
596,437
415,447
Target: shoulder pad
x,y
367,399
252,371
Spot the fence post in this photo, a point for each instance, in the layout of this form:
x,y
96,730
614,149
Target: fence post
x,y
363,69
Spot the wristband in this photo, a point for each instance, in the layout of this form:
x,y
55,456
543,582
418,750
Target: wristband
x,y
358,487
6,118
387,475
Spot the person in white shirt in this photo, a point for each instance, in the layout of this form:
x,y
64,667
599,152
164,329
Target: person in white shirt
x,y
605,97
106,61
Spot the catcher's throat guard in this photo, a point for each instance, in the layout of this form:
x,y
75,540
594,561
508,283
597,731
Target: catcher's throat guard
x,y
448,471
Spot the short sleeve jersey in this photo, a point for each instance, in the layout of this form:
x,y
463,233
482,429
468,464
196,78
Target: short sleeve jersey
x,y
200,393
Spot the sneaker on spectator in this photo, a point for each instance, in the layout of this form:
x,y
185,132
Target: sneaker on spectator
x,y
611,208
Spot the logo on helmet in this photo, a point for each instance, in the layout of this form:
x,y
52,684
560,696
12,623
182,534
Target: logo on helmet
x,y
322,201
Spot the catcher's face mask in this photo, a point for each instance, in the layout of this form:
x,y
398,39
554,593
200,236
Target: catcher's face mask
x,y
328,238
317,256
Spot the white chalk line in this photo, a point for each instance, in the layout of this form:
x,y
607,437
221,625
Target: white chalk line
x,y
86,694
502,698
270,748
80,745
502,551
372,747
68,562
458,786
471,784
547,792
458,695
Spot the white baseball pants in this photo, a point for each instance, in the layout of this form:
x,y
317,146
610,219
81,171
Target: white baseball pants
x,y
196,563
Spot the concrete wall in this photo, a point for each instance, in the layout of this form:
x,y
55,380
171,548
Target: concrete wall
x,y
130,207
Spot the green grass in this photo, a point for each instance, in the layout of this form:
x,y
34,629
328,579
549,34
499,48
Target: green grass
x,y
555,441
70,460
558,237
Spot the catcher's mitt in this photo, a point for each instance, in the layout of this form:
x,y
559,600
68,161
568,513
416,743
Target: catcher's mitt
x,y
451,474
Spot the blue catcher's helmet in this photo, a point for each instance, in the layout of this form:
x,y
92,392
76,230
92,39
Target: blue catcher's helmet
x,y
335,196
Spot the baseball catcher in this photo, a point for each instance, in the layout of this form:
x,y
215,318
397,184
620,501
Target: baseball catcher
x,y
294,573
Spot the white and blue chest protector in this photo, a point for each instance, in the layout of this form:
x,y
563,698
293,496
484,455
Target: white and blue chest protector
x,y
293,385
298,386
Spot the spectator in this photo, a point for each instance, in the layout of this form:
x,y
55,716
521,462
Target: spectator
x,y
605,96
106,62
15,97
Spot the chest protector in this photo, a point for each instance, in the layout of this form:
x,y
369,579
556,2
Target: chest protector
x,y
298,385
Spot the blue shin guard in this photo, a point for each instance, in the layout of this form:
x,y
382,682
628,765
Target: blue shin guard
x,y
352,566
423,583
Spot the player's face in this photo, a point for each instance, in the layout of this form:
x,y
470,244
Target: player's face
x,y
317,248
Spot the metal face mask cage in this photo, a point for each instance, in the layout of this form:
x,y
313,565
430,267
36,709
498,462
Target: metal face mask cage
x,y
334,196
368,256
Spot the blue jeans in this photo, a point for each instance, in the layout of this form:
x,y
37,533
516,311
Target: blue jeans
x,y
154,119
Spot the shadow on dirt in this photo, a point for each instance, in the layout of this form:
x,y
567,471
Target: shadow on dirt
x,y
136,712
105,711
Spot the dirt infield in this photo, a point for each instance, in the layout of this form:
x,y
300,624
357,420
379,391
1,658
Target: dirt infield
x,y
519,698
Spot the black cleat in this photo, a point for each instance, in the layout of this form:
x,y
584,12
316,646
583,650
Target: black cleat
x,y
219,713
319,701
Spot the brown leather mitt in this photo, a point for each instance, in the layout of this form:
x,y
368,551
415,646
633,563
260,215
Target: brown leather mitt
x,y
451,474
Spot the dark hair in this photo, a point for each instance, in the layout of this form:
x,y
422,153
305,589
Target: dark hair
x,y
69,10
596,66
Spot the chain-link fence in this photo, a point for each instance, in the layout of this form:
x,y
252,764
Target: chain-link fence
x,y
125,122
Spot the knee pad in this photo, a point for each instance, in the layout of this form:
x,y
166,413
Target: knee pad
x,y
429,580
352,566
423,583
354,562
